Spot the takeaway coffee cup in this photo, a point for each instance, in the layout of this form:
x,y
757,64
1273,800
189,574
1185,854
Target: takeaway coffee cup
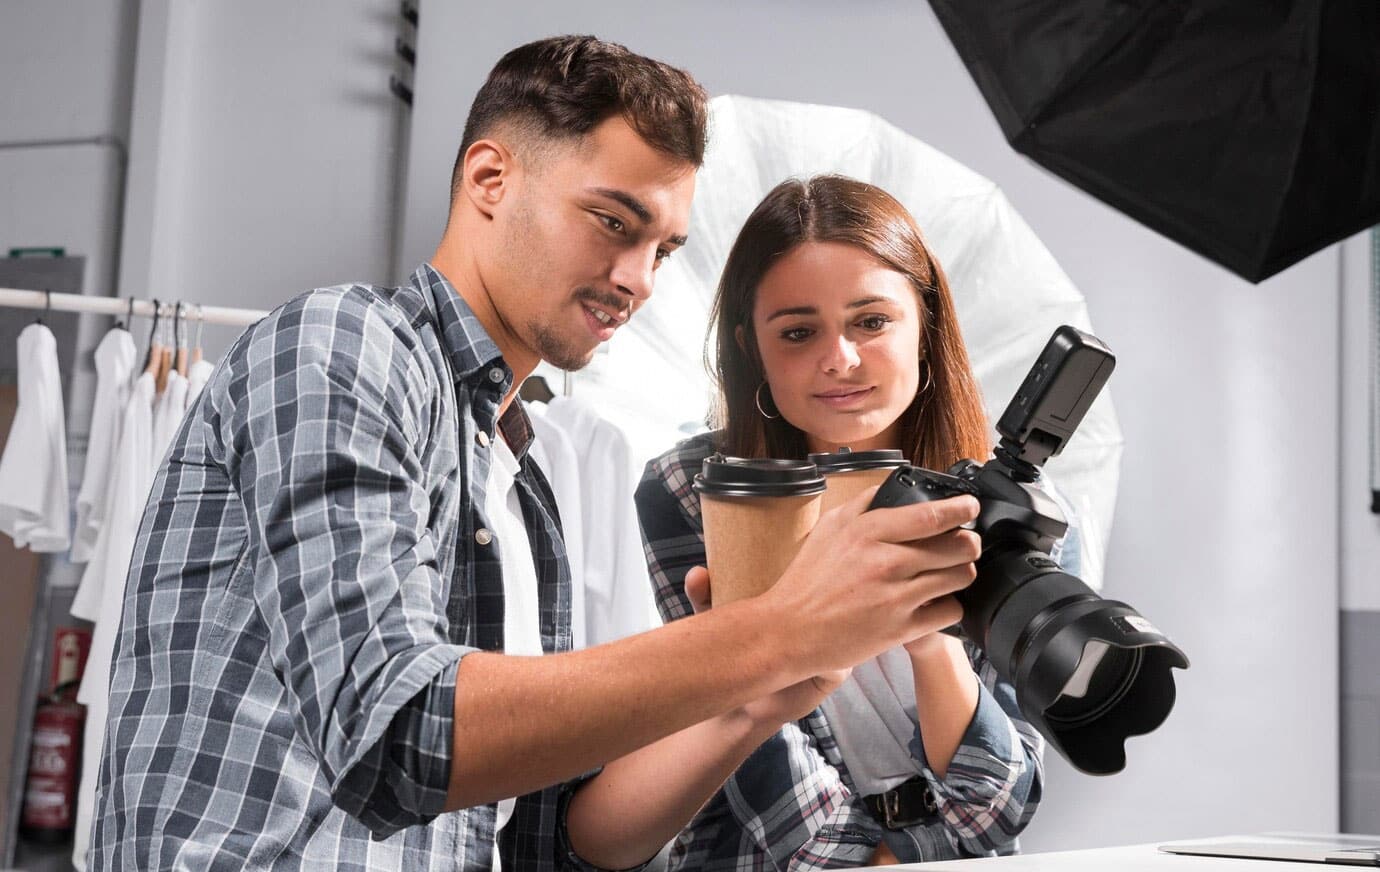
x,y
756,515
849,473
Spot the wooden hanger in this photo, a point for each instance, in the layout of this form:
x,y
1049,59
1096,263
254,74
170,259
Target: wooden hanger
x,y
200,322
154,359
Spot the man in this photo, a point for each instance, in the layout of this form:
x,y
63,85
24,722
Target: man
x,y
308,672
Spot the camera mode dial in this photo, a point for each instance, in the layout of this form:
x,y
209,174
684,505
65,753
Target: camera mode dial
x,y
911,484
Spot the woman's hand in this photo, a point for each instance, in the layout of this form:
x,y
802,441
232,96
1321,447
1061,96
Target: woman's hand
x,y
787,704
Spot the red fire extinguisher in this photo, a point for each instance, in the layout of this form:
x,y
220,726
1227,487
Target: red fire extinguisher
x,y
50,791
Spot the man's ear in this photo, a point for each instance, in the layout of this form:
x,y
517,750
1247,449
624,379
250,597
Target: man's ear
x,y
486,175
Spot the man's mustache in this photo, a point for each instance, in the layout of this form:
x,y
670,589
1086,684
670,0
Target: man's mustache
x,y
604,299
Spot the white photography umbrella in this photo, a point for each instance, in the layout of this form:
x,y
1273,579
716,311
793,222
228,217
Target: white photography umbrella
x,y
1009,291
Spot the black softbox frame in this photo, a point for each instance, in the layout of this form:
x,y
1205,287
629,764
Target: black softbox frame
x,y
1246,130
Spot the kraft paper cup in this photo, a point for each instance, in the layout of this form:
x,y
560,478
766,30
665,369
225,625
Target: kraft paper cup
x,y
849,473
756,515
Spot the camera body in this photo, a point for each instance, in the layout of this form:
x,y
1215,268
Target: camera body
x,y
1088,672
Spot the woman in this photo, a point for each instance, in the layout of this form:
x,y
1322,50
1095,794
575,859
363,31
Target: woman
x,y
834,327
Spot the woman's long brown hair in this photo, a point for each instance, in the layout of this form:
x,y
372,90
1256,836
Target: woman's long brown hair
x,y
945,423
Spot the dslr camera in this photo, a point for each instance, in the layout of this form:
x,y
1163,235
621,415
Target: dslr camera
x,y
1088,672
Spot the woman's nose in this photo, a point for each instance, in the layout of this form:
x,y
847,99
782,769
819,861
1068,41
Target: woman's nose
x,y
842,355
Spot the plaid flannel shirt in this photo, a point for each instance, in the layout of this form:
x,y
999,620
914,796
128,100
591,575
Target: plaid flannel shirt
x,y
792,804
311,567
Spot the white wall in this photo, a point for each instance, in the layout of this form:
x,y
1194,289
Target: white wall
x,y
1227,524
263,151
1360,539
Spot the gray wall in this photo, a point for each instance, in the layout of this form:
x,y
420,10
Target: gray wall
x,y
263,149
1226,393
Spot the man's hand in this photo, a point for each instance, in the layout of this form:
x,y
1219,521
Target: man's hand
x,y
787,704
866,581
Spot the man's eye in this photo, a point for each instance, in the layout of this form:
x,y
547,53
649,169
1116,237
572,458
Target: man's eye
x,y
612,223
662,254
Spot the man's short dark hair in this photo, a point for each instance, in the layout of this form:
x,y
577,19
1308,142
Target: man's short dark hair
x,y
562,87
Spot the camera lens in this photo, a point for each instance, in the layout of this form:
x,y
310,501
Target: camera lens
x,y
1102,678
1089,673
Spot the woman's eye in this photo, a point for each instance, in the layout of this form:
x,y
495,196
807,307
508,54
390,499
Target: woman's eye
x,y
874,322
796,334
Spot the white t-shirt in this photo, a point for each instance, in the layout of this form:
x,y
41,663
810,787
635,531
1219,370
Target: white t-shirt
x,y
114,368
556,457
33,471
873,717
521,613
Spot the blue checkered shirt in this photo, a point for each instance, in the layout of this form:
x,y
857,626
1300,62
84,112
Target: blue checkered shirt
x,y
309,571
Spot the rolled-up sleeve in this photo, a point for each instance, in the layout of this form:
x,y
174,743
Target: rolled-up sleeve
x,y
992,785
323,433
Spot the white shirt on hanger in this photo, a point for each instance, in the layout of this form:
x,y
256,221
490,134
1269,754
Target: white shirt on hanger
x,y
521,607
114,367
618,591
167,414
197,375
556,457
100,597
33,471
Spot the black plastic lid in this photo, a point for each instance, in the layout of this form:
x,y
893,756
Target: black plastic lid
x,y
844,460
738,477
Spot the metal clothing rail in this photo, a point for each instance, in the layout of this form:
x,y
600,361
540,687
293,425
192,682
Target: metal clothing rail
x,y
119,306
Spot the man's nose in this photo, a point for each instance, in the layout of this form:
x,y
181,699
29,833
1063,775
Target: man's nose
x,y
633,274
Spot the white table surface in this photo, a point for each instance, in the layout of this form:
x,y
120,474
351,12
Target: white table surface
x,y
1131,858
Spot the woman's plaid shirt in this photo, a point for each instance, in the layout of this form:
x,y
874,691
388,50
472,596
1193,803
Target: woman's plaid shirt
x,y
792,804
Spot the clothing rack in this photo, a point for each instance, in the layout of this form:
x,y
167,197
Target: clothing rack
x,y
124,306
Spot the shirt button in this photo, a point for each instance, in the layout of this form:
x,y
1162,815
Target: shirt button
x,y
483,536
496,375
482,438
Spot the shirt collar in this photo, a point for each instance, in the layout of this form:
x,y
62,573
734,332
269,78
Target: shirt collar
x,y
472,353
463,338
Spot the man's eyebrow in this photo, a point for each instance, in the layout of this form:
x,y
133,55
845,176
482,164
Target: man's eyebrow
x,y
635,205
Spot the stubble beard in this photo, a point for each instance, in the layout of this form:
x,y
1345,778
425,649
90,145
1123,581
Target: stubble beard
x,y
557,350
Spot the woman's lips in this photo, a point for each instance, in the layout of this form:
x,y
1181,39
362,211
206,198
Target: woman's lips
x,y
844,399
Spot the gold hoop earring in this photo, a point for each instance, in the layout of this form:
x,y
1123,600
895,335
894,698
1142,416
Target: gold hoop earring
x,y
758,398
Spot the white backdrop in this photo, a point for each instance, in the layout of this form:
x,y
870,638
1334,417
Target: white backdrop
x,y
1226,533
